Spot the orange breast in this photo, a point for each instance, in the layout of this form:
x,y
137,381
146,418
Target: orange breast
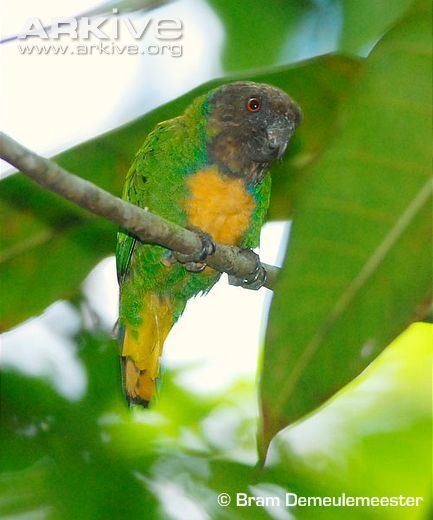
x,y
219,205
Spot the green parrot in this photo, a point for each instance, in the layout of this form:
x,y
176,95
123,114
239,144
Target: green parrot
x,y
205,170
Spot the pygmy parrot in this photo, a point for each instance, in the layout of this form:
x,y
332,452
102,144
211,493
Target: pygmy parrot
x,y
205,170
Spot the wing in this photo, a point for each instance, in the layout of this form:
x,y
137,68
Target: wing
x,y
156,179
125,241
124,249
134,192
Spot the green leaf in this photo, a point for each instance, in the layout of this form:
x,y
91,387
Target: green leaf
x,y
48,245
365,22
373,439
358,267
47,248
319,86
285,32
271,21
59,457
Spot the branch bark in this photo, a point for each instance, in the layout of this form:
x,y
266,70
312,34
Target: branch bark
x,y
146,226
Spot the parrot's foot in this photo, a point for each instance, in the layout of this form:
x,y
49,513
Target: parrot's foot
x,y
195,267
195,263
256,279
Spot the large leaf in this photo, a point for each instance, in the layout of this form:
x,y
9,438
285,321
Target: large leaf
x,y
365,22
49,246
358,267
373,439
285,32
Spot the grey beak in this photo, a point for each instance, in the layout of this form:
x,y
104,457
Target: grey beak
x,y
279,136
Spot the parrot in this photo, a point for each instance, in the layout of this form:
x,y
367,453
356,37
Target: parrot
x,y
205,170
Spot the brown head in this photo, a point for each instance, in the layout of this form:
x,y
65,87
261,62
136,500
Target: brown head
x,y
249,125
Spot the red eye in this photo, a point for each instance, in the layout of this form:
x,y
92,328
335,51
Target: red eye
x,y
253,105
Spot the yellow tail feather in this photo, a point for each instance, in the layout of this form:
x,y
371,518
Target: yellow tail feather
x,y
142,348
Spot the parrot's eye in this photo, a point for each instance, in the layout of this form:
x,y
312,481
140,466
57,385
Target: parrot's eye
x,y
254,105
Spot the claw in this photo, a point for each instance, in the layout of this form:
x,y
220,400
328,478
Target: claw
x,y
256,279
195,262
195,267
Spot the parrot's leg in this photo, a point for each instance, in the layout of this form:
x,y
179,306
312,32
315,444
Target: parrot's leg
x,y
195,263
256,279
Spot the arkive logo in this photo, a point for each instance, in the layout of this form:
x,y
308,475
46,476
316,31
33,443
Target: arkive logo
x,y
99,35
109,27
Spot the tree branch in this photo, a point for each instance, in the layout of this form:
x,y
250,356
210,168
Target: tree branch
x,y
146,226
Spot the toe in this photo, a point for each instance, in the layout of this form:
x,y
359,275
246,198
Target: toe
x,y
195,267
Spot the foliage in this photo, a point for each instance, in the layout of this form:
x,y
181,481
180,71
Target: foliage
x,y
290,31
94,458
362,220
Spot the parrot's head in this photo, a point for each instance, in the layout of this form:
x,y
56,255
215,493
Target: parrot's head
x,y
249,125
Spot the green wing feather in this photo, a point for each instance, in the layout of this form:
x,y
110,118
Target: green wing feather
x,y
141,184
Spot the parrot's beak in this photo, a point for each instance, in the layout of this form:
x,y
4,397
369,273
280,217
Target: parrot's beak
x,y
279,135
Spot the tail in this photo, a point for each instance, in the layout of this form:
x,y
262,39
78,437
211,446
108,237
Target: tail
x,y
142,349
